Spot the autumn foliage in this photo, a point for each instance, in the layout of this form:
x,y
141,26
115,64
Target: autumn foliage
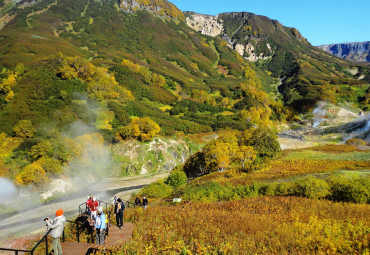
x,y
100,84
234,150
251,226
143,129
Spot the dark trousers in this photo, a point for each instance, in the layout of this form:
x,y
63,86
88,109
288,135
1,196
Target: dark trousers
x,y
119,219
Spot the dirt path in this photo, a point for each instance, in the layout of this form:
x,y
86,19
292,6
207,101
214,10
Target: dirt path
x,y
30,222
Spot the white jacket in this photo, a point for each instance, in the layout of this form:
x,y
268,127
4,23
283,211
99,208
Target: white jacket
x,y
57,226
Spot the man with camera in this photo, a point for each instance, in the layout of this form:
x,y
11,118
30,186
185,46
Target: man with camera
x,y
57,228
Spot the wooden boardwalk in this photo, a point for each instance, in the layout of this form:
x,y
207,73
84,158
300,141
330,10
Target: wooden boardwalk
x,y
116,237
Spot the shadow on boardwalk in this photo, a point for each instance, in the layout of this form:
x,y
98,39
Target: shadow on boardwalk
x,y
116,237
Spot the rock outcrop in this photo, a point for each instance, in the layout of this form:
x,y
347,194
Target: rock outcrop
x,y
158,7
355,52
205,24
160,155
215,26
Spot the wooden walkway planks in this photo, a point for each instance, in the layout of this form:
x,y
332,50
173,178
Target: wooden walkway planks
x,y
76,248
116,237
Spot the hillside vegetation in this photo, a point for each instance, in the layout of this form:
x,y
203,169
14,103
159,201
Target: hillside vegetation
x,y
307,74
115,74
281,209
106,88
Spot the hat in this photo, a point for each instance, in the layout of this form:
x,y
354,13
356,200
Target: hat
x,y
100,209
59,212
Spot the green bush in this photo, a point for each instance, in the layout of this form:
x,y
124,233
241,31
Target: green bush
x,y
312,188
346,190
210,192
158,189
284,189
176,179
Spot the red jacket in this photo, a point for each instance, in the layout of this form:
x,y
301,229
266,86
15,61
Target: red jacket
x,y
92,205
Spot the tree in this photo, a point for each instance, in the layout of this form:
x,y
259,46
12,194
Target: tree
x,y
50,165
104,119
195,165
142,128
263,140
9,96
24,129
176,179
41,149
8,145
225,102
32,174
158,80
246,156
217,155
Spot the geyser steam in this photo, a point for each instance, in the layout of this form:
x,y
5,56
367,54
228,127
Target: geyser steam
x,y
319,114
7,190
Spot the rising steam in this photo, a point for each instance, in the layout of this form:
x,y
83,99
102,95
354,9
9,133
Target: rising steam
x,y
7,190
319,114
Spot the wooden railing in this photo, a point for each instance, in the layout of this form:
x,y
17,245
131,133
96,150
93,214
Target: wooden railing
x,y
32,251
82,208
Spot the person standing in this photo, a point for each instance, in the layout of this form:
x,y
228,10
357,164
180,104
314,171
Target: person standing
x,y
57,228
118,210
93,206
100,226
145,202
137,201
88,204
114,200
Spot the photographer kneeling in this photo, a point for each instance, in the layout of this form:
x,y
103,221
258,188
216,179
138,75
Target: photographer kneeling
x,y
57,228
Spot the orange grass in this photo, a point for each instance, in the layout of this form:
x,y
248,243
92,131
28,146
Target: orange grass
x,y
267,225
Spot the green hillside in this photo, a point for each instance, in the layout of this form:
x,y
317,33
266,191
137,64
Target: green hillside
x,y
307,73
94,63
136,70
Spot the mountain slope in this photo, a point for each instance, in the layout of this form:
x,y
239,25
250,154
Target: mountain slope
x,y
307,74
94,71
356,51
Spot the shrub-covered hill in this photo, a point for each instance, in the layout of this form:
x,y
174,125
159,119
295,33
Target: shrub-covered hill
x,y
281,209
176,76
307,73
127,69
119,73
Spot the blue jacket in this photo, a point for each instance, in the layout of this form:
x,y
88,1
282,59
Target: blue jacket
x,y
102,222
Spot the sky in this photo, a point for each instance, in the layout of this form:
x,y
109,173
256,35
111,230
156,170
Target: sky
x,y
320,21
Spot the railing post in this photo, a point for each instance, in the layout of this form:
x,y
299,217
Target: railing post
x,y
64,237
46,246
78,232
92,234
16,252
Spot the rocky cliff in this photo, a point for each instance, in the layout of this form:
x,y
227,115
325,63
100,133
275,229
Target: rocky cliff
x,y
355,52
245,32
205,24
